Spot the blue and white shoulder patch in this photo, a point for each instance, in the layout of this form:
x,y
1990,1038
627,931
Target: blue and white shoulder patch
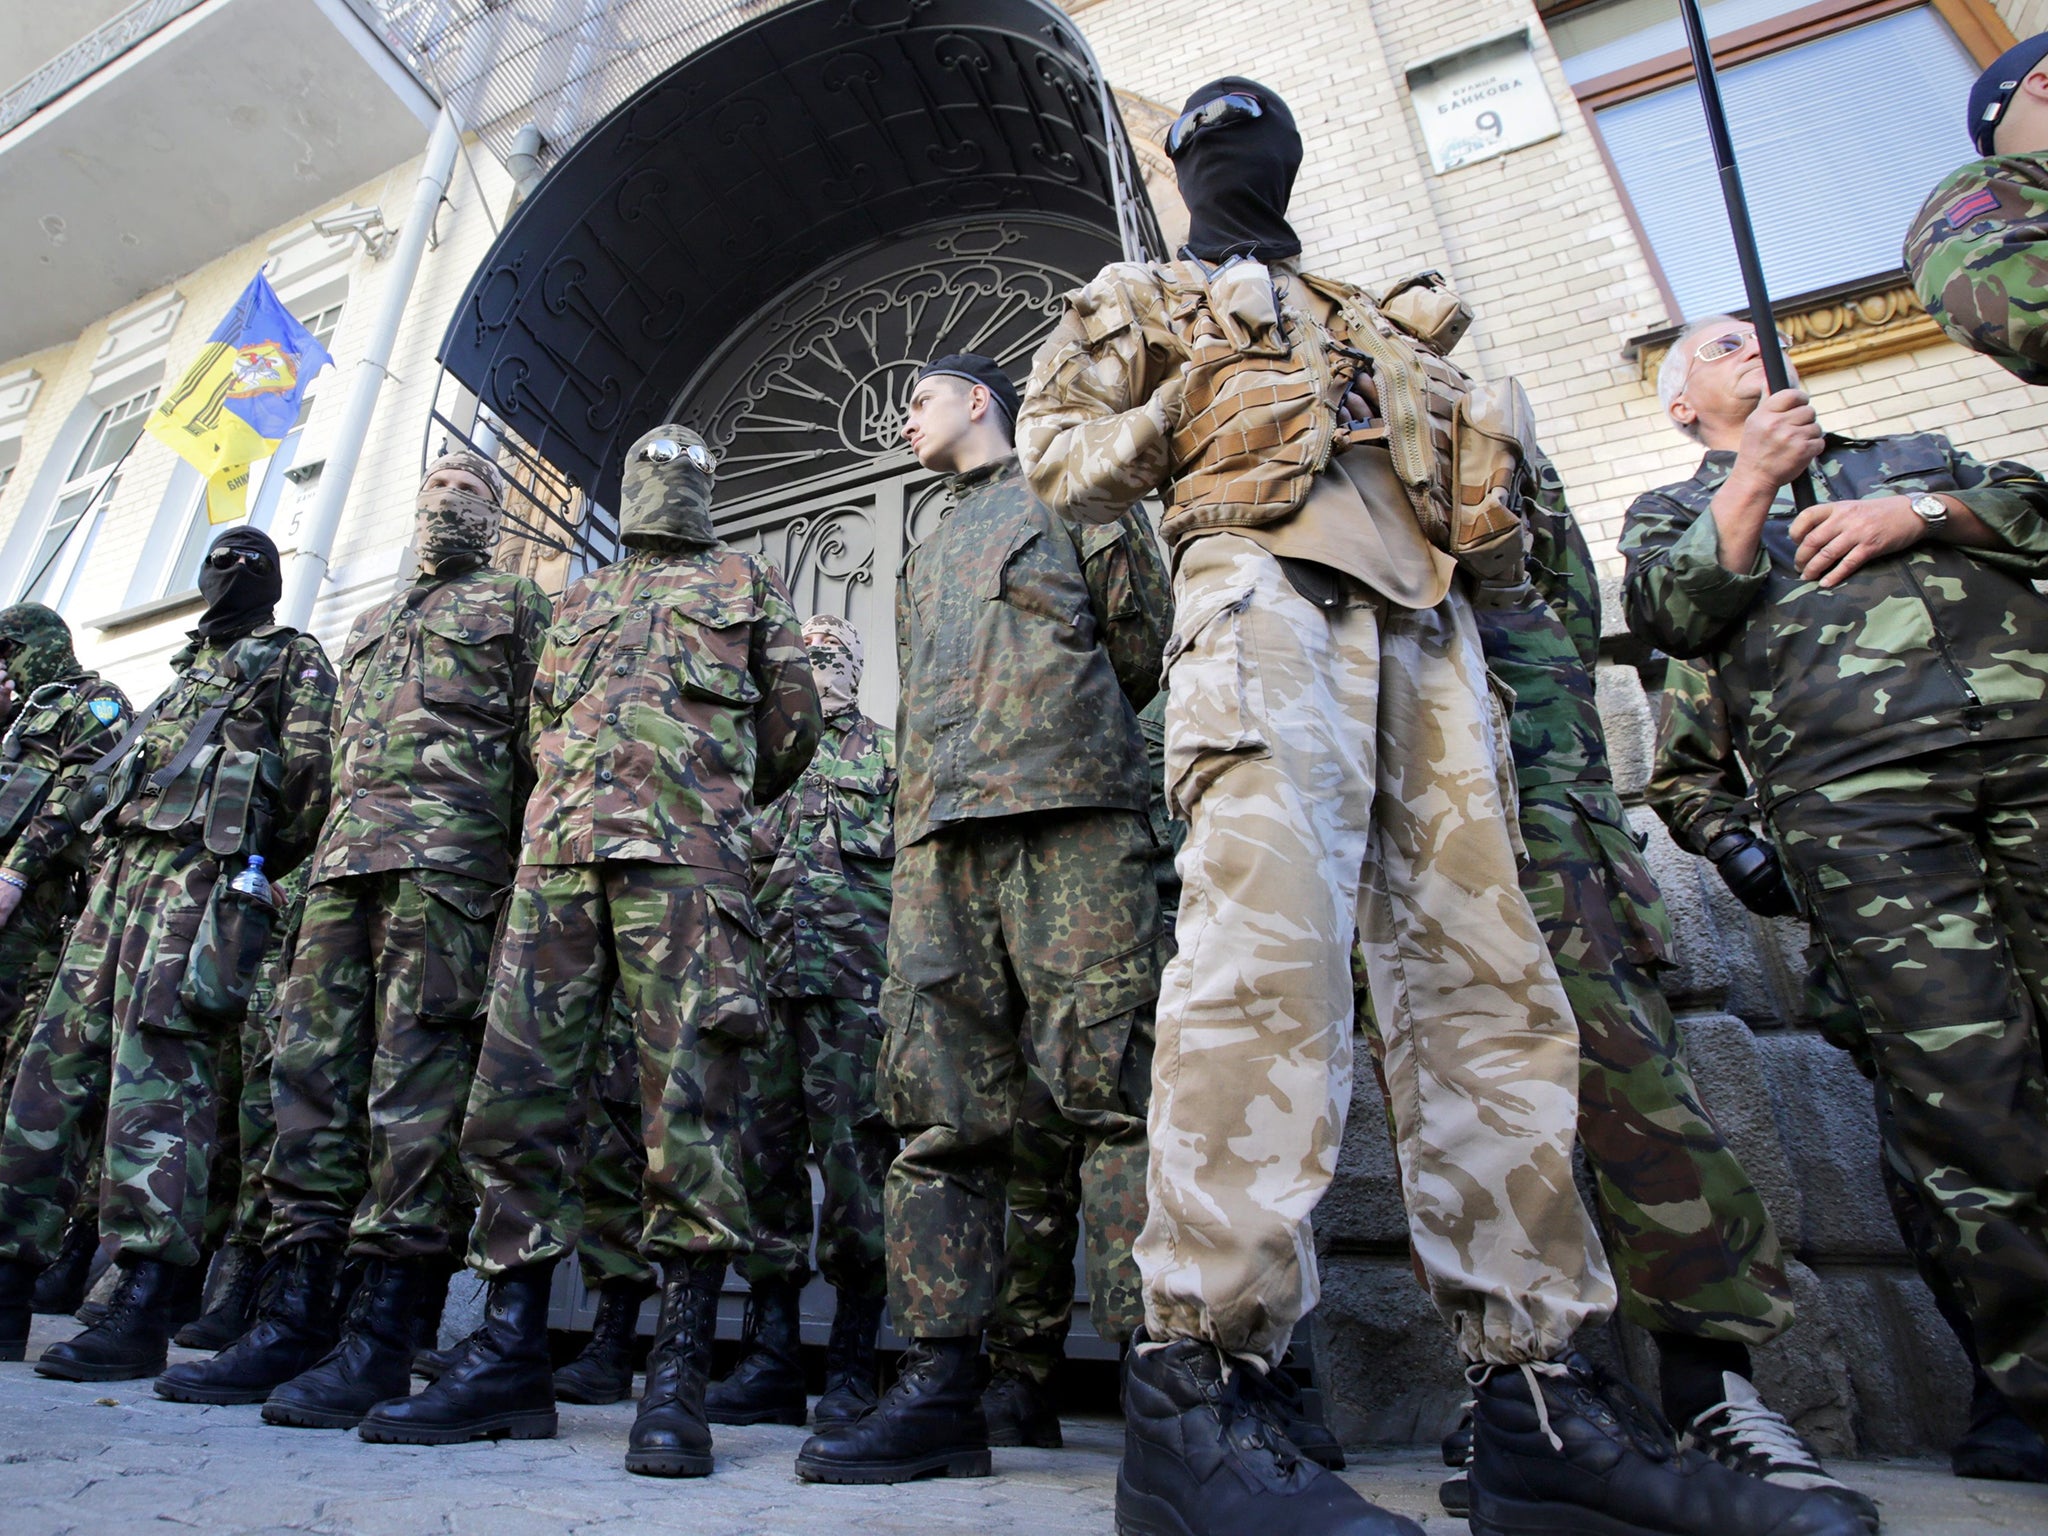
x,y
106,711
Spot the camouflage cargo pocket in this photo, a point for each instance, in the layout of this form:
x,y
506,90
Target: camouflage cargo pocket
x,y
1632,890
1097,1052
1215,703
223,962
912,1086
733,945
457,916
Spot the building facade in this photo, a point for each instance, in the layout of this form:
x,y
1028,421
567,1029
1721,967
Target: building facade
x,y
1546,158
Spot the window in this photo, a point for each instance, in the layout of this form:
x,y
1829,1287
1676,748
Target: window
x,y
1845,114
267,481
60,553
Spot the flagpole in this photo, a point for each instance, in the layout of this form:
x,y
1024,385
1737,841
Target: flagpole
x,y
62,544
1759,296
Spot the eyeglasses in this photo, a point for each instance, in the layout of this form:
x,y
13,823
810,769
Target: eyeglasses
x,y
666,450
227,559
1236,107
1728,343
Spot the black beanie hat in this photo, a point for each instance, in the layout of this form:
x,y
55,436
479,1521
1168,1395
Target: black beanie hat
x,y
976,369
1994,89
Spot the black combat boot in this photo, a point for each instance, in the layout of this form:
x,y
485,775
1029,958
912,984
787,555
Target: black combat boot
x,y
1019,1410
372,1361
231,1300
1279,1396
295,1326
767,1385
928,1424
135,1336
17,1290
61,1288
502,1384
1562,1446
436,1273
850,1363
671,1436
603,1372
1999,1445
1202,1458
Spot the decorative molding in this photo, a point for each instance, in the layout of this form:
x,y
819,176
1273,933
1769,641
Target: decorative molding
x,y
141,330
1834,329
18,393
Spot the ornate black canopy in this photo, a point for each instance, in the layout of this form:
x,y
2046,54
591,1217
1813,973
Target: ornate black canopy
x,y
790,144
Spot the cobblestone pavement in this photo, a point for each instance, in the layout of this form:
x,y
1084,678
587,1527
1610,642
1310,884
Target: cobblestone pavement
x,y
114,1457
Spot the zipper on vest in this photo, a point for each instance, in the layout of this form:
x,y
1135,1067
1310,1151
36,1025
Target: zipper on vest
x,y
1973,709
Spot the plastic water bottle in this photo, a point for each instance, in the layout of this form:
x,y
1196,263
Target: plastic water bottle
x,y
252,881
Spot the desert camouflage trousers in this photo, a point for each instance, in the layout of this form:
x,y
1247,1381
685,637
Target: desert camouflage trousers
x,y
810,1086
379,1025
682,947
1928,881
1017,944
608,1247
1341,770
114,1056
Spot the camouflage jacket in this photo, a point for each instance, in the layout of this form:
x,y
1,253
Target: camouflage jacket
x,y
822,856
1933,647
1697,786
261,784
1546,647
673,694
430,764
1978,252
62,729
1025,647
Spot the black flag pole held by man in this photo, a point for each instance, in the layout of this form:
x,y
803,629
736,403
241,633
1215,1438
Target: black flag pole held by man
x,y
1739,227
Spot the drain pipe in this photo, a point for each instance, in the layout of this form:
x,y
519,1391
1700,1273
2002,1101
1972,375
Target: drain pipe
x,y
310,563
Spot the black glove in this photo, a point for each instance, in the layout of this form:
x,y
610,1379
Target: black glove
x,y
1749,868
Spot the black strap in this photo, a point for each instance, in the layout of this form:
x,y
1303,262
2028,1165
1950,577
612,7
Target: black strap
x,y
106,760
202,734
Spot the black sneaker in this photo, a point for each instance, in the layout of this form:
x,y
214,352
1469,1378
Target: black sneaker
x,y
1743,1432
1562,1447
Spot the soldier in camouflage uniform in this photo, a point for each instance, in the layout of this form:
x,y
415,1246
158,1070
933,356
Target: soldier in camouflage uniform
x,y
1885,658
1699,789
1978,248
673,692
57,718
1023,934
821,880
380,1014
1331,743
230,761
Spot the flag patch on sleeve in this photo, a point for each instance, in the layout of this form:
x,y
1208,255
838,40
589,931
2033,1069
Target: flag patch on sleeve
x,y
106,711
1975,206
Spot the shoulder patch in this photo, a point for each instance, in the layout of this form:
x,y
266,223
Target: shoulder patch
x,y
309,674
1966,209
106,711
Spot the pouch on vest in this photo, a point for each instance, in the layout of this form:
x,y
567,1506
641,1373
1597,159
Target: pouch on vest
x,y
228,806
1425,307
1491,424
19,797
179,803
227,952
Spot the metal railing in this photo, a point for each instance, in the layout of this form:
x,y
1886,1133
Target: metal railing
x,y
90,53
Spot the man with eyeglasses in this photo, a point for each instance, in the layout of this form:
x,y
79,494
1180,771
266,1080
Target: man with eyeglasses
x,y
672,699
381,1011
1884,657
229,763
1978,248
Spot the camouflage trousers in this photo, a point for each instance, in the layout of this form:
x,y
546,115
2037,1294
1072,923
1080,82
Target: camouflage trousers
x,y
1016,944
29,947
1928,881
608,1247
810,1086
1028,1333
1341,770
114,1048
1693,1249
377,1040
238,1204
681,946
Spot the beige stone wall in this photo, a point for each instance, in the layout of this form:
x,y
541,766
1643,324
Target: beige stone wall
x,y
1538,240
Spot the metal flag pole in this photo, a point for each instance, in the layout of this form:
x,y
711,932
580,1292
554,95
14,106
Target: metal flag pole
x,y
1760,313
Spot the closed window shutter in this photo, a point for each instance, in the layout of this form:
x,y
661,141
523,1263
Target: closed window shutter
x,y
1840,140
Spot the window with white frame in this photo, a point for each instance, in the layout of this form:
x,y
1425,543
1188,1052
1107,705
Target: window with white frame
x,y
82,501
1845,114
267,481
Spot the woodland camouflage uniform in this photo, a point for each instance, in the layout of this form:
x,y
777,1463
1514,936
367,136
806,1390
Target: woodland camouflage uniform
x,y
1024,927
1978,253
1895,730
117,1032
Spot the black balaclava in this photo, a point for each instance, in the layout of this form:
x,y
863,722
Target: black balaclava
x,y
1236,179
241,597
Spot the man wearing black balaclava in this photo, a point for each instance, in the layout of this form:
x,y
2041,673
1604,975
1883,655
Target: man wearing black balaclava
x,y
229,764
1332,745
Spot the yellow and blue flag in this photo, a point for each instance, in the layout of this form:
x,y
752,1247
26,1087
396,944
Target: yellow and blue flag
x,y
239,399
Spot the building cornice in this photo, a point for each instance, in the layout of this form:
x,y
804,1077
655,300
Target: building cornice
x,y
1836,327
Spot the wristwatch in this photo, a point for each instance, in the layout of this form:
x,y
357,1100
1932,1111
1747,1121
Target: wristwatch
x,y
1931,510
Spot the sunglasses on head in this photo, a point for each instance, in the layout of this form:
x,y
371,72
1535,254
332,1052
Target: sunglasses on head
x,y
228,559
666,450
1728,343
1218,112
